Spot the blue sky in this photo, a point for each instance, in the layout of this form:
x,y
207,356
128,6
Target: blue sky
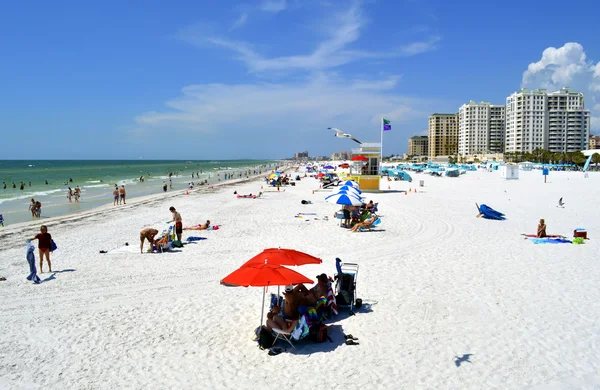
x,y
263,79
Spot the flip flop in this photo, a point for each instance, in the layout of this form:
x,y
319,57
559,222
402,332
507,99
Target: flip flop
x,y
103,252
349,337
351,342
275,351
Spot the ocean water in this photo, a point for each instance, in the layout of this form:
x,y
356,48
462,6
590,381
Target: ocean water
x,y
97,179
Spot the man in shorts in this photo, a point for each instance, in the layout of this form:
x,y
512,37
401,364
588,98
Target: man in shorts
x,y
178,222
116,196
122,194
147,234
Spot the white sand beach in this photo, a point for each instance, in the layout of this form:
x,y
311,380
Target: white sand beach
x,y
436,282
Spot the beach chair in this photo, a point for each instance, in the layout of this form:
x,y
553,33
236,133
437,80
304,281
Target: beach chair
x,y
345,288
369,228
282,335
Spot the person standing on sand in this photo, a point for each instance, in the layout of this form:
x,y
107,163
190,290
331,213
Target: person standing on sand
x,y
122,194
69,194
178,222
44,244
147,234
116,196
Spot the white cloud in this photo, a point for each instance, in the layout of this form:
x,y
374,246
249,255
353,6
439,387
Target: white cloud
x,y
240,21
296,110
343,29
273,5
567,66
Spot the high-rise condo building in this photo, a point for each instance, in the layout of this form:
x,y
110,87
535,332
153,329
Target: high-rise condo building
x,y
443,135
481,128
418,145
568,122
526,121
556,121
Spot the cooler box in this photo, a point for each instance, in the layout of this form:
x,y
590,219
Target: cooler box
x,y
580,233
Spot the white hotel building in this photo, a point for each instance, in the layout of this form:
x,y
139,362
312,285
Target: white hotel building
x,y
481,128
554,121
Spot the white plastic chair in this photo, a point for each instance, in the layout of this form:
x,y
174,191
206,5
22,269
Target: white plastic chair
x,y
281,334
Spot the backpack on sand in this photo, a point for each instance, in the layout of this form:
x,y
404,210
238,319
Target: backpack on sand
x,y
265,338
318,333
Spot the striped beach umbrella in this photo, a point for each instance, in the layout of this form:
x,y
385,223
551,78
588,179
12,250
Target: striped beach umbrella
x,y
342,188
350,183
345,199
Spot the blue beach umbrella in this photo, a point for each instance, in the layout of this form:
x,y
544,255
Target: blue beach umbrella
x,y
349,188
328,167
344,199
350,183
349,193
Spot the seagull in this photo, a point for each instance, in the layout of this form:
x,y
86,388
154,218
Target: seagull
x,y
560,203
340,134
462,359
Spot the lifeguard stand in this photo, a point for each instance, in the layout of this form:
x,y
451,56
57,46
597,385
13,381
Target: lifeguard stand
x,y
368,174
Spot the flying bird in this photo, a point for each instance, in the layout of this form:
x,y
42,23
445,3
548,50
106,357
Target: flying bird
x,y
464,358
560,203
340,134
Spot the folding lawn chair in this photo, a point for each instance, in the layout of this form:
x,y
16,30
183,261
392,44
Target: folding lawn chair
x,y
345,288
280,334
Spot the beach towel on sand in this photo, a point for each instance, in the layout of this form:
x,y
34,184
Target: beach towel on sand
x,y
549,240
195,238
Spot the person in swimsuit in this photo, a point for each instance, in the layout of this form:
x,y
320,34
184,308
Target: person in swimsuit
x,y
122,194
44,244
178,222
77,194
32,207
541,230
199,227
69,194
116,196
147,234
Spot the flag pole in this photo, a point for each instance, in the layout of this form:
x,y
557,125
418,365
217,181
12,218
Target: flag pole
x,y
381,148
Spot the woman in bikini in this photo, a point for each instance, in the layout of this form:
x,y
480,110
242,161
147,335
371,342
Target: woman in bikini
x,y
147,234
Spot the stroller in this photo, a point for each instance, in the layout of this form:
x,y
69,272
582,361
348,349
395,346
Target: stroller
x,y
345,287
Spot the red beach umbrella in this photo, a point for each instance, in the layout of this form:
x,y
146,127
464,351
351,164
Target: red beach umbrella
x,y
263,275
359,158
282,256
344,165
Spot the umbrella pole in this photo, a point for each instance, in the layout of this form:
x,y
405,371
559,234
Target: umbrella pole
x,y
262,309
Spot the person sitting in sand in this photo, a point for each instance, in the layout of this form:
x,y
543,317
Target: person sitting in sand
x,y
365,223
541,230
147,234
198,227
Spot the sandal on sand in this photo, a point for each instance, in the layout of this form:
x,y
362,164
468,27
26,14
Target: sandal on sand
x,y
351,342
349,337
275,351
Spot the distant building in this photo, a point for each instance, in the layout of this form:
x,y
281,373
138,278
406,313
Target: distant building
x,y
568,122
418,145
481,128
300,155
556,121
341,156
443,135
594,141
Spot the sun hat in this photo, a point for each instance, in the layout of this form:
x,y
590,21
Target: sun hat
x,y
289,288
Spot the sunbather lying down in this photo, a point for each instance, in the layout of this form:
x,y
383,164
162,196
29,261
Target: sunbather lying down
x,y
198,227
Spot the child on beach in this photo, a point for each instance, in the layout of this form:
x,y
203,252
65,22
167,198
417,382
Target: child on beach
x,y
44,245
541,230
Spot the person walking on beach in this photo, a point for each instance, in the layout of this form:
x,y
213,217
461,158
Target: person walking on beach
x,y
147,234
70,194
77,194
178,222
116,196
38,209
122,194
44,245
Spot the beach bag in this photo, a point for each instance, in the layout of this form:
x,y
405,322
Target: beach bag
x,y
177,244
53,246
318,333
265,338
